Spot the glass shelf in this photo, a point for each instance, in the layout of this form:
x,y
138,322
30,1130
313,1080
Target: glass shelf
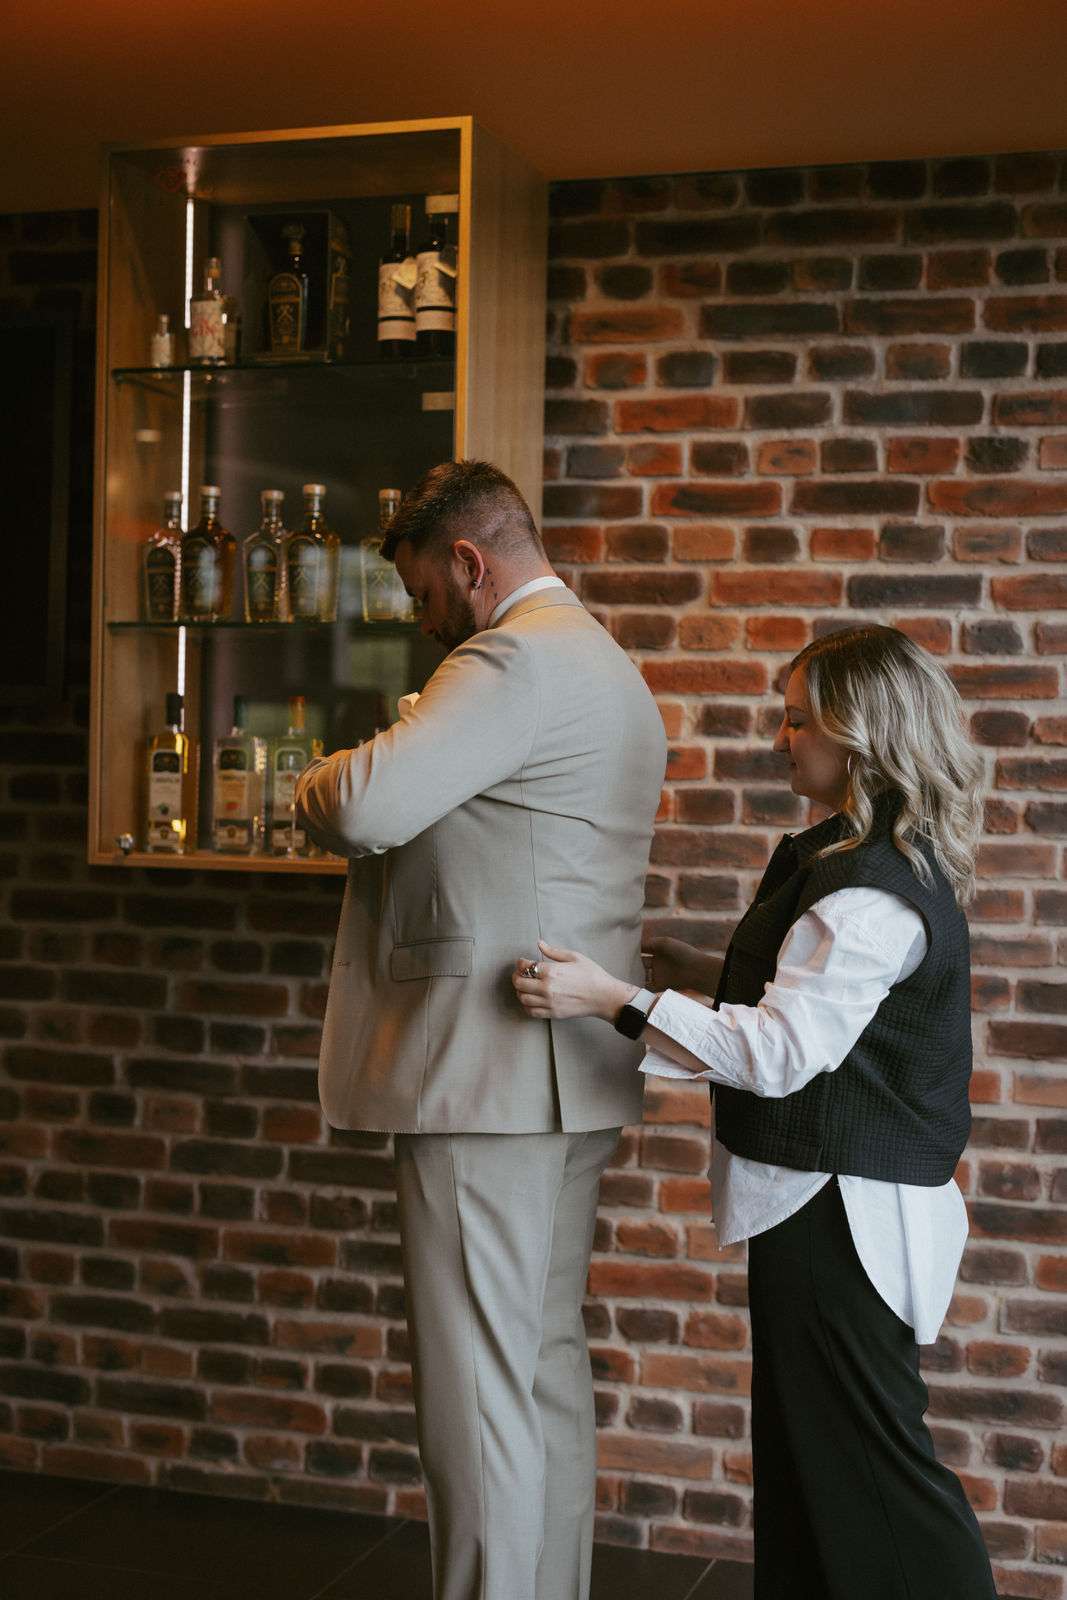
x,y
429,374
352,625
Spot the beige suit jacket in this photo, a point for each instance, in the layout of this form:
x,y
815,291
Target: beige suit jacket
x,y
514,801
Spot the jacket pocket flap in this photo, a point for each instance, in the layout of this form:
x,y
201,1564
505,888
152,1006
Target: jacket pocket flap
x,y
432,958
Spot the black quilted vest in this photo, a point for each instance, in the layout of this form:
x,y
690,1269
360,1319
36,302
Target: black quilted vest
x,y
897,1107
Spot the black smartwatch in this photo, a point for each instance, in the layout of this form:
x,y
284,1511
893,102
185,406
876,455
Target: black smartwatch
x,y
631,1020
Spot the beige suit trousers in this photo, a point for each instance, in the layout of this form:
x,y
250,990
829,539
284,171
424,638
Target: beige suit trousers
x,y
497,1230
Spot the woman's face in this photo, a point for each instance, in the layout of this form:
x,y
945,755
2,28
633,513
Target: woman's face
x,y
818,766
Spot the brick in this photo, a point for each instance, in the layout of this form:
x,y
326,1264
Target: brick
x,y
696,236
774,587
958,269
718,457
848,455
922,455
890,271
582,501
987,544
624,280
602,370
708,633
791,409
686,369
993,497
947,590
1031,313
1037,592
995,1405
790,319
892,317
688,280
853,496
1036,409
941,408
842,544
677,414
911,542
700,1374
563,544
716,499
786,457
1052,453
706,677
607,325
588,239
759,366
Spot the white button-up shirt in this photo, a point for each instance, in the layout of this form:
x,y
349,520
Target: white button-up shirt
x,y
836,966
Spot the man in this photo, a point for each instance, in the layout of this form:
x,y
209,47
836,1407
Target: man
x,y
515,800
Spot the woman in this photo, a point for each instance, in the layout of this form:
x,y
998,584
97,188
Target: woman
x,y
839,1054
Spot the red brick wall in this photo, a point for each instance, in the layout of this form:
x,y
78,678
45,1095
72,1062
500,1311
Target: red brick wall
x,y
778,401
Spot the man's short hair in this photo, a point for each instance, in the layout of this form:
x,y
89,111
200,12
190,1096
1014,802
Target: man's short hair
x,y
463,500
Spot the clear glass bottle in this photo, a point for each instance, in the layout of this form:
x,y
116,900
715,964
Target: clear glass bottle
x,y
289,756
435,288
162,344
208,555
263,564
397,276
208,319
170,790
161,564
312,563
238,797
384,597
287,299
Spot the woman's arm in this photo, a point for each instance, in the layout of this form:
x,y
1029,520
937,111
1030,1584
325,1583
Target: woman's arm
x,y
835,967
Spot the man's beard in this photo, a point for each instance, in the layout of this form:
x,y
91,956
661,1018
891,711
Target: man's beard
x,y
459,622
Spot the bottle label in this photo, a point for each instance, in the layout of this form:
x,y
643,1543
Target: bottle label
x,y
202,578
160,574
165,800
261,581
288,306
396,300
233,800
304,563
435,292
207,331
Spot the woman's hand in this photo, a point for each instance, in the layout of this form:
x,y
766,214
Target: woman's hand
x,y
677,965
569,985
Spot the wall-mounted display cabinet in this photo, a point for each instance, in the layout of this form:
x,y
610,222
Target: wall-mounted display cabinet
x,y
345,307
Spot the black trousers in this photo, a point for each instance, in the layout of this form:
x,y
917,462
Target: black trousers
x,y
850,1502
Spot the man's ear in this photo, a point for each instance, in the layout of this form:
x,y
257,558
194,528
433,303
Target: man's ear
x,y
471,560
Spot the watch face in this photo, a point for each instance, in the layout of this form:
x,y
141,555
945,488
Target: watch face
x,y
630,1021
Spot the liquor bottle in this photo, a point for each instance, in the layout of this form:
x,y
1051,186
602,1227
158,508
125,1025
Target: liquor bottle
x,y
161,564
312,563
238,820
162,344
287,299
262,562
289,756
384,597
171,784
207,319
208,555
435,288
397,275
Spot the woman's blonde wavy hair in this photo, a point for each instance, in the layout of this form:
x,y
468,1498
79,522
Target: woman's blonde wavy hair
x,y
897,712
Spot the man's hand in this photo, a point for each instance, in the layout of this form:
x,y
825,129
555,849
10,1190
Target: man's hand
x,y
568,985
677,965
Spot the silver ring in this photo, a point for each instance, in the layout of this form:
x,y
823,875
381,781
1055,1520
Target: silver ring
x,y
534,969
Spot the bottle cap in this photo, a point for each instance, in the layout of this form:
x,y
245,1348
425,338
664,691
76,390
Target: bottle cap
x,y
315,488
272,496
163,325
213,265
441,202
239,711
171,496
297,703
208,489
175,708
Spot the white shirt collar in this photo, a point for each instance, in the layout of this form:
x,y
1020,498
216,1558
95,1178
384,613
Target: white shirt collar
x,y
520,594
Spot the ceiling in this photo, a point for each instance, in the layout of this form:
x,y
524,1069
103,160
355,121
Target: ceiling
x,y
583,88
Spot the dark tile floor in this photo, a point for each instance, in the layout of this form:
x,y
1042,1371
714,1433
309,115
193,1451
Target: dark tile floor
x,y
61,1539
